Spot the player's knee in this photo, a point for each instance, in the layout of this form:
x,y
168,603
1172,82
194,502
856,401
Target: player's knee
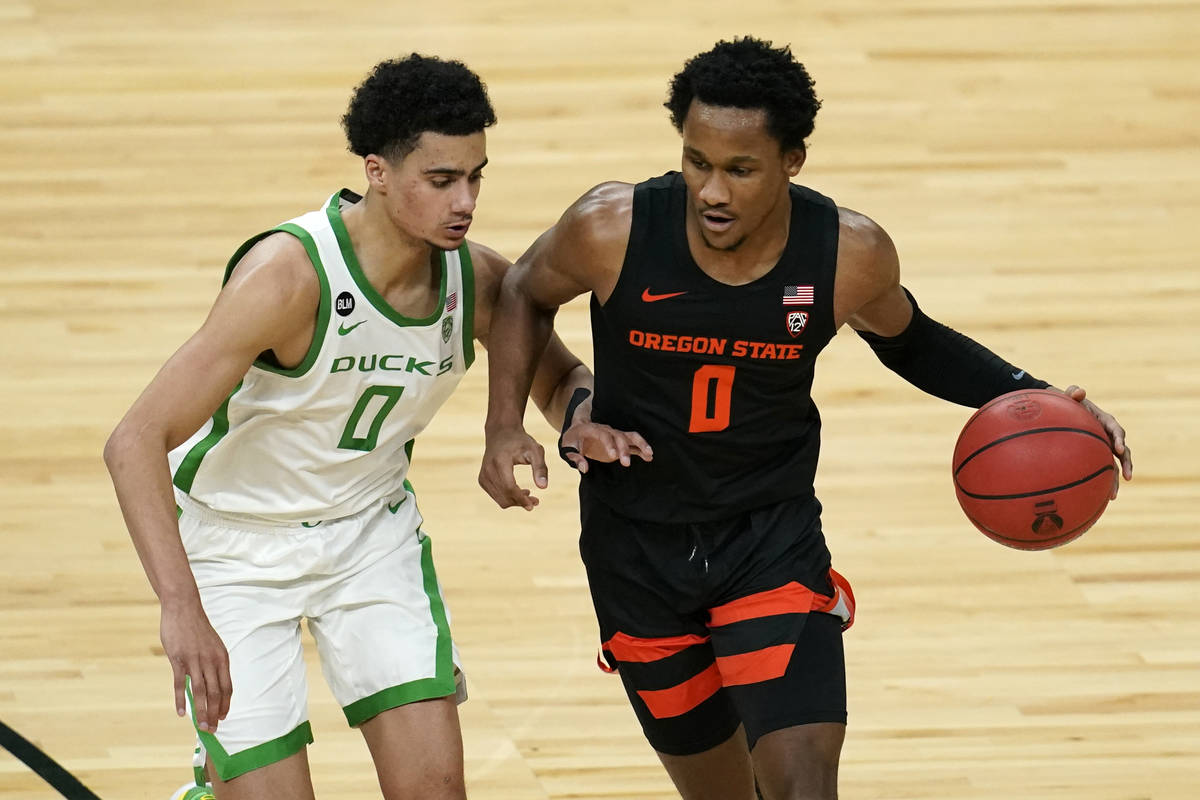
x,y
799,763
434,782
809,786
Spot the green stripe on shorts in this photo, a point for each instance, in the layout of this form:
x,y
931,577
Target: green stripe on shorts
x,y
230,766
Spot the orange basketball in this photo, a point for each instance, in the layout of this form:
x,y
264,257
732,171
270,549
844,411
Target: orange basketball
x,y
1033,469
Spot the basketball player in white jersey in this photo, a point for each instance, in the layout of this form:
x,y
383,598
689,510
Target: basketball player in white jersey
x,y
262,473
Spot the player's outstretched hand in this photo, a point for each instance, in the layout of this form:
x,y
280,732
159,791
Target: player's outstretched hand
x,y
1116,434
591,440
505,450
197,654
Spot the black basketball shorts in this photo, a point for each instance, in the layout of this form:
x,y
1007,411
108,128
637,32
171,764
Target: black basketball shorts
x,y
715,624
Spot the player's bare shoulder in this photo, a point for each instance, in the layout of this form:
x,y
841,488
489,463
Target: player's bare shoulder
x,y
489,268
277,269
601,218
587,245
867,263
271,299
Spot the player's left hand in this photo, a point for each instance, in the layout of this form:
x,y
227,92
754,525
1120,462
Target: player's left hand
x,y
1116,434
503,451
590,440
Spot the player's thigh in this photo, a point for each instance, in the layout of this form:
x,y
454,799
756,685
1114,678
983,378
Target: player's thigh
x,y
795,723
723,772
652,629
382,626
779,654
800,761
268,711
417,750
255,610
793,675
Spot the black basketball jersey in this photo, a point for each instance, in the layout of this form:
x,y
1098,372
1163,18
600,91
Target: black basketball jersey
x,y
718,378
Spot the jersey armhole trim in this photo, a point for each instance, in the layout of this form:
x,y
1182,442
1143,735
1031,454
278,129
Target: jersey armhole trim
x,y
323,306
467,273
833,240
638,223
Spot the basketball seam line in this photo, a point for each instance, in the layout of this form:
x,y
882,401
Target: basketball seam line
x,y
1097,473
1003,439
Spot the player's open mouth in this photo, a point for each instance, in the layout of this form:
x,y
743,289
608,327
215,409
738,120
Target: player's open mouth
x,y
459,229
717,222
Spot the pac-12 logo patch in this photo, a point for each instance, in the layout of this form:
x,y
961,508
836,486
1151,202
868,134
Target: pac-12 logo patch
x,y
344,305
796,320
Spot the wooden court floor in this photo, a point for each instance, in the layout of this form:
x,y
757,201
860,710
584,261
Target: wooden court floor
x,y
1036,164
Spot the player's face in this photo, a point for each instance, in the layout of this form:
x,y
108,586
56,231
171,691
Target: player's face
x,y
431,192
736,174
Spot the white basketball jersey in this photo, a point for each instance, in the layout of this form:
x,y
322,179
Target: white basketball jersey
x,y
335,434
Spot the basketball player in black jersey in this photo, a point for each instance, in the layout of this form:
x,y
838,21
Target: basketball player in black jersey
x,y
713,291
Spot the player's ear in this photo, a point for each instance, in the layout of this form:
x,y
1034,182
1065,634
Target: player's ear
x,y
376,168
793,160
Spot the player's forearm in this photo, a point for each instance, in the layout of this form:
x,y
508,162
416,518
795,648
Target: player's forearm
x,y
143,486
518,337
945,363
554,404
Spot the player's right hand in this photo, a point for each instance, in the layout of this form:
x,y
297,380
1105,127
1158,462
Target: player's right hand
x,y
197,653
503,451
587,440
1116,435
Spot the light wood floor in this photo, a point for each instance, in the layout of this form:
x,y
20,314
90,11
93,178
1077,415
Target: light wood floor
x,y
1036,164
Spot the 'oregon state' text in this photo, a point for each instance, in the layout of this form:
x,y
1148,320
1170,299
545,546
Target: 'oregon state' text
x,y
711,345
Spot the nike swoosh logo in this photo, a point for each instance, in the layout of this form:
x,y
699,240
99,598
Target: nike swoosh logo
x,y
393,507
343,330
647,297
1018,375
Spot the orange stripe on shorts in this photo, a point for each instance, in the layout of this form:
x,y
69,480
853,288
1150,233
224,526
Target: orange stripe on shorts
x,y
637,649
682,697
756,666
791,598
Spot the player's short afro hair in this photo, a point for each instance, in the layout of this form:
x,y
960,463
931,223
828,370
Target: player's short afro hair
x,y
402,98
749,73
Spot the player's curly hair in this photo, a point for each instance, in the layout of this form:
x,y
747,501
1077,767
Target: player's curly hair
x,y
402,98
749,73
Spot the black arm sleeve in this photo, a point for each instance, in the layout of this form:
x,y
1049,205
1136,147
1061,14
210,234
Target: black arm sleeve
x,y
946,364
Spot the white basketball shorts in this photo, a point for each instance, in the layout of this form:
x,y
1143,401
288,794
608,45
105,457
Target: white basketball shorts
x,y
367,587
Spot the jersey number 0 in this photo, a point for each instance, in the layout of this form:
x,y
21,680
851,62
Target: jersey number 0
x,y
712,387
390,396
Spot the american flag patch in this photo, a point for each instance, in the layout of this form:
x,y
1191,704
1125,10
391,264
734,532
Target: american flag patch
x,y
797,295
452,301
